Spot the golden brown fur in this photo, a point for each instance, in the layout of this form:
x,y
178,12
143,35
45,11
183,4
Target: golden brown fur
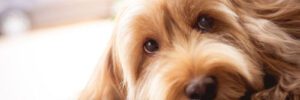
x,y
252,39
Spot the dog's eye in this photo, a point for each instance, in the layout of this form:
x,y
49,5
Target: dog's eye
x,y
150,46
205,23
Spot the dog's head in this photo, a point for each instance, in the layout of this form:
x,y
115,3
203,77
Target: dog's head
x,y
201,49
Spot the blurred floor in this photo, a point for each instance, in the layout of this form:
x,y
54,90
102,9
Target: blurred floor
x,y
53,63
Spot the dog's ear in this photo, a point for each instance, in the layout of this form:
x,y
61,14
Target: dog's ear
x,y
106,81
282,33
284,13
275,31
274,28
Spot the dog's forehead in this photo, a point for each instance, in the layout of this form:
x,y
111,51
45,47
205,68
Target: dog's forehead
x,y
163,16
177,10
186,8
190,7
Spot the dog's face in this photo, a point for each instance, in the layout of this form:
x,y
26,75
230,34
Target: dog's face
x,y
196,49
184,49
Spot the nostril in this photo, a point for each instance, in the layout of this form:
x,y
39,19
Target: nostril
x,y
203,89
195,91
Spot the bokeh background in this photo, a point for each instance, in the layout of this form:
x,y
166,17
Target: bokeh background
x,y
49,48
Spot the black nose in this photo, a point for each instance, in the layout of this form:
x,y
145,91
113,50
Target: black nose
x,y
202,89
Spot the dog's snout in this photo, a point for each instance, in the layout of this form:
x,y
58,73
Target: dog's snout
x,y
202,88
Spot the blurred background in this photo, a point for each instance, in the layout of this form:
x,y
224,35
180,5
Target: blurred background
x,y
49,48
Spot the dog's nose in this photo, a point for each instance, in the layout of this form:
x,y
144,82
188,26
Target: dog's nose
x,y
202,88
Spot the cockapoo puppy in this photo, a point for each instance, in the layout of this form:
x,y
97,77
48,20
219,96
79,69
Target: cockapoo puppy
x,y
202,50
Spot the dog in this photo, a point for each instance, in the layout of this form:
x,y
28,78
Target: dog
x,y
202,50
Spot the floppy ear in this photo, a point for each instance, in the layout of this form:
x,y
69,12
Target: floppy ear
x,y
106,80
284,13
276,36
281,38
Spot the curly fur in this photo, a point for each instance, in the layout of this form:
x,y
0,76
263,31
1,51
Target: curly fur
x,y
254,51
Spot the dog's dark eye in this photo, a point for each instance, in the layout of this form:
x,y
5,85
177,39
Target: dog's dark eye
x,y
205,23
150,46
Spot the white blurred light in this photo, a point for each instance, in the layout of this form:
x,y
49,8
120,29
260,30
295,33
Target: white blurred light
x,y
15,23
